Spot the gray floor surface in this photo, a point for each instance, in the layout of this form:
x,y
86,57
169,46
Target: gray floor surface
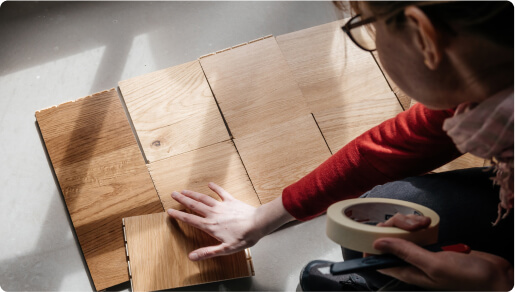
x,y
53,52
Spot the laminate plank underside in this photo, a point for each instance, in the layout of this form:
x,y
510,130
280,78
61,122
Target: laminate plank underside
x,y
102,176
158,250
173,111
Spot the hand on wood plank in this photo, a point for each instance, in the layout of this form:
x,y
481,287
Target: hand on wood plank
x,y
234,224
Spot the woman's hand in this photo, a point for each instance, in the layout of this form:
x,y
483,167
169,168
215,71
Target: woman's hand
x,y
443,270
235,224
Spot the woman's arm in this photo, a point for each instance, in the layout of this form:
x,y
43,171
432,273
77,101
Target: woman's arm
x,y
409,144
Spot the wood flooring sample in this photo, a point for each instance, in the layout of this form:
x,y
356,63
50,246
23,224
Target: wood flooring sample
x,y
173,111
102,176
329,68
467,160
254,87
218,163
158,250
340,125
279,156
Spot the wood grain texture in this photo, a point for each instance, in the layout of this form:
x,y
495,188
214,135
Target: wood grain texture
x,y
341,125
465,161
102,176
280,155
158,250
254,87
403,98
173,111
329,68
218,163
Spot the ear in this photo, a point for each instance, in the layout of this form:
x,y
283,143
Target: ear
x,y
425,36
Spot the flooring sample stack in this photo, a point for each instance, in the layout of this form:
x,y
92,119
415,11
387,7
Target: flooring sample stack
x,y
102,176
173,111
274,132
158,248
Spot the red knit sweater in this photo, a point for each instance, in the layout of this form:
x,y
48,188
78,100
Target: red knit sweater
x,y
410,144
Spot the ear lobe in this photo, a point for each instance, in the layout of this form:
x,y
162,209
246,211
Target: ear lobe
x,y
425,38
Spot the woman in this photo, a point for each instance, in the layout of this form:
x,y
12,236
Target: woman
x,y
456,60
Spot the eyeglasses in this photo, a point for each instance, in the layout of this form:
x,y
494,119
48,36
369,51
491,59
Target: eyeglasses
x,y
361,32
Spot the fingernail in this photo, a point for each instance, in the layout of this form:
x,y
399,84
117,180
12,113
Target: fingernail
x,y
169,211
174,194
194,256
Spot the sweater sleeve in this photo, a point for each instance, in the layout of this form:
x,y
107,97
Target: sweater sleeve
x,y
412,143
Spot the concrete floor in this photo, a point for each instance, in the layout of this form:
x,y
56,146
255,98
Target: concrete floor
x,y
52,52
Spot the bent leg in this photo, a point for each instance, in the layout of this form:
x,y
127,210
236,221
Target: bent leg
x,y
466,201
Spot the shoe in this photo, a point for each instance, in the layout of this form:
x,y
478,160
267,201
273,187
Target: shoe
x,y
316,276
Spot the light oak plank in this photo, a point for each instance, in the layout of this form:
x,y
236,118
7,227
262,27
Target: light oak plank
x,y
102,176
218,163
158,248
341,125
465,161
280,155
173,111
329,68
254,87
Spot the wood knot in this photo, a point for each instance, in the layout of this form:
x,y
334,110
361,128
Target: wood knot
x,y
156,143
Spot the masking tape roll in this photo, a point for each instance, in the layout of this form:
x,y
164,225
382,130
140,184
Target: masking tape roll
x,y
351,223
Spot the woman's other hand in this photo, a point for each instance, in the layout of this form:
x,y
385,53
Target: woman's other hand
x,y
444,270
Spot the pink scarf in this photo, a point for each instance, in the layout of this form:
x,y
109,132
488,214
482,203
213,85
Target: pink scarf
x,y
486,130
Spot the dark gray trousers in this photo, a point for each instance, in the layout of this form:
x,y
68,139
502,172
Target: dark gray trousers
x,y
466,201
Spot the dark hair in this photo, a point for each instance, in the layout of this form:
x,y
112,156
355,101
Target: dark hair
x,y
492,20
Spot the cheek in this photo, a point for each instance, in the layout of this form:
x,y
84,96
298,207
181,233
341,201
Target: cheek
x,y
389,56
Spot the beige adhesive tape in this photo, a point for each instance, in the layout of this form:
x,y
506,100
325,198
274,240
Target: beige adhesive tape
x,y
351,223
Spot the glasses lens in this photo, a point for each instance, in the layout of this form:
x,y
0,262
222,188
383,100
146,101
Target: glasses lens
x,y
364,35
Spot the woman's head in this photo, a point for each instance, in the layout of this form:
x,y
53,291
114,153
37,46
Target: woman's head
x,y
444,53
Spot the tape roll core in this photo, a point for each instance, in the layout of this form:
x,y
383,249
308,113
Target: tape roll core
x,y
351,223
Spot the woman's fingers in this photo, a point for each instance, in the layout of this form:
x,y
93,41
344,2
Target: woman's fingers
x,y
193,205
224,195
190,219
407,251
411,275
407,222
200,197
208,252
